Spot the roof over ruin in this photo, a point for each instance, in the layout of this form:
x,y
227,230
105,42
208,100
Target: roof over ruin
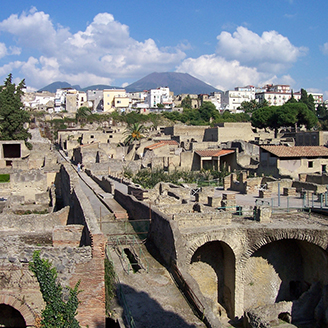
x,y
214,152
297,151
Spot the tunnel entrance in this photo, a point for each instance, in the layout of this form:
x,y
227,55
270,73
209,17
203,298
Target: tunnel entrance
x,y
213,267
10,317
287,270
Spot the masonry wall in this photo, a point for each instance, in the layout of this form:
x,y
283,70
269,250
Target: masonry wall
x,y
160,232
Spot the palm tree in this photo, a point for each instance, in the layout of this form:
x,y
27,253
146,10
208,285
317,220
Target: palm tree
x,y
134,133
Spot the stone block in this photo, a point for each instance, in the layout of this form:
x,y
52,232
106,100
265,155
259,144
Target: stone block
x,y
69,235
264,193
289,192
214,201
201,198
42,198
263,214
228,196
229,205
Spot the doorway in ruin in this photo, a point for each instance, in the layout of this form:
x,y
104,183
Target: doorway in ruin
x,y
10,317
287,270
213,267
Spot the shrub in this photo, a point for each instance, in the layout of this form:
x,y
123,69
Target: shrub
x,y
4,177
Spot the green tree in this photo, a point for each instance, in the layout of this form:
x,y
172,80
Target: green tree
x,y
261,117
307,100
12,114
186,102
134,133
208,111
57,313
289,114
322,111
82,114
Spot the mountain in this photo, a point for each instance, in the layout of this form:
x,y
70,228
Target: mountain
x,y
62,85
58,85
177,82
99,87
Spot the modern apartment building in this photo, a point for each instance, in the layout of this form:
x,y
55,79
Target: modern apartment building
x,y
115,98
159,96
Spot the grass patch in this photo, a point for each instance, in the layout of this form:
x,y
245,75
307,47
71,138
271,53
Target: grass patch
x,y
26,212
4,177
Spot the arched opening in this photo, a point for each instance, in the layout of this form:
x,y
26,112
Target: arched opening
x,y
10,317
213,267
287,270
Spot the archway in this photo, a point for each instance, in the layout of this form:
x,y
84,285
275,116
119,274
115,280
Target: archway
x,y
285,270
10,317
213,267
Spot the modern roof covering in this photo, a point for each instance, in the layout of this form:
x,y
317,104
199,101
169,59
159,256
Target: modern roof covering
x,y
297,151
161,144
214,152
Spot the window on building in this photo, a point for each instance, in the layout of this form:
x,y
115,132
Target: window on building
x,y
310,163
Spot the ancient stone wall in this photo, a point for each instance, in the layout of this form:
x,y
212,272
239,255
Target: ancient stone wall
x,y
33,222
160,232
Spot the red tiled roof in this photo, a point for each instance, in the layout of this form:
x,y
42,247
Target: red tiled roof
x,y
297,151
214,152
162,143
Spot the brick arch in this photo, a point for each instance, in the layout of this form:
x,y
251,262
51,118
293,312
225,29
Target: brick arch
x,y
27,313
200,241
312,237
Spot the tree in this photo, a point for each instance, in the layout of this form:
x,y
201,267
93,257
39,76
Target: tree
x,y
57,313
208,111
322,111
186,102
12,114
134,133
261,117
82,114
289,114
307,100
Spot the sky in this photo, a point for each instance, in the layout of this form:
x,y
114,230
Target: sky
x,y
223,43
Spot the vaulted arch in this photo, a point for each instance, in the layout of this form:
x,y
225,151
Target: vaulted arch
x,y
18,308
213,267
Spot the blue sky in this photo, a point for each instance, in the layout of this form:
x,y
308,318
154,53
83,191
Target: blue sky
x,y
223,43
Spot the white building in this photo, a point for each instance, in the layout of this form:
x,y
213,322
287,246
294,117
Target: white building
x,y
317,97
40,101
159,96
216,99
60,100
232,100
277,95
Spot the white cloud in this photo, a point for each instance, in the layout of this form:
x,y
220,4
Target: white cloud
x,y
324,48
103,52
270,52
244,58
3,50
221,73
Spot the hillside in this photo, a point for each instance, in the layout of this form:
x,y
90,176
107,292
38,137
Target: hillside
x,y
177,82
